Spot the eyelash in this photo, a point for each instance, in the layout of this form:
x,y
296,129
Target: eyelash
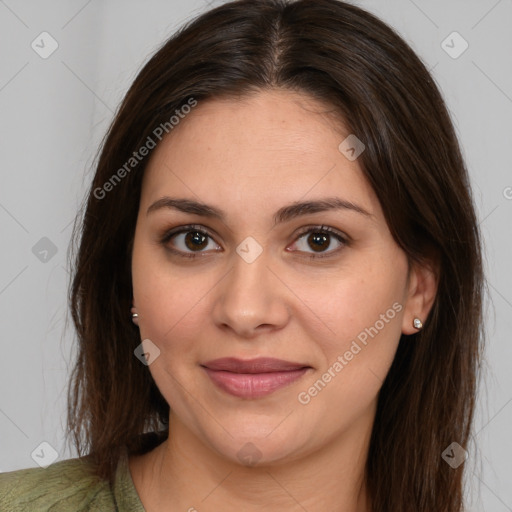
x,y
344,240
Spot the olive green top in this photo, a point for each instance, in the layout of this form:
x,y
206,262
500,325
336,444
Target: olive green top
x,y
69,486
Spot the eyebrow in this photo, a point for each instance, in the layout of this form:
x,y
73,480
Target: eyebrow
x,y
284,214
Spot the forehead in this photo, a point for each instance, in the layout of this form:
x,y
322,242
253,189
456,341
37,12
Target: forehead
x,y
274,146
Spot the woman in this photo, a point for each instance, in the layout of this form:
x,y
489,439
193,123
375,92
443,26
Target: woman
x,y
269,298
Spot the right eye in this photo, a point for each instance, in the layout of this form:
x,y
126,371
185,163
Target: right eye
x,y
189,241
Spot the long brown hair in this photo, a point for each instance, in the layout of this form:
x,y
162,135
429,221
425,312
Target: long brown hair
x,y
382,92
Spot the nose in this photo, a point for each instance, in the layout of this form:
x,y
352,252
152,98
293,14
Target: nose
x,y
251,300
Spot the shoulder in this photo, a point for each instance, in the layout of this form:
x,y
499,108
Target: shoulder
x,y
63,486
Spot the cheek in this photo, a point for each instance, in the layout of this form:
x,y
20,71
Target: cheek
x,y
170,316
364,314
356,308
169,302
355,364
366,294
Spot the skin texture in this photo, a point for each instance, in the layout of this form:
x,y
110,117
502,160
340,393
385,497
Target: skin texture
x,y
249,157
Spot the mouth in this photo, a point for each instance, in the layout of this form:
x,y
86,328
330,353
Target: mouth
x,y
253,378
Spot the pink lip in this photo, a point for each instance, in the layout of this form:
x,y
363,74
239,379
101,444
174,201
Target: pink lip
x,y
253,378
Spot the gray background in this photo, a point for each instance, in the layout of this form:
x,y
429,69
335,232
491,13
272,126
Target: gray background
x,y
54,112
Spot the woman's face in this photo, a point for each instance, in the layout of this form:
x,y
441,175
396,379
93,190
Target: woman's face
x,y
225,265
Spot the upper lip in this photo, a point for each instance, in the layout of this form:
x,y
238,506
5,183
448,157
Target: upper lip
x,y
258,365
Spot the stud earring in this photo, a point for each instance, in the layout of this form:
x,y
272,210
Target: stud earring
x,y
417,323
135,316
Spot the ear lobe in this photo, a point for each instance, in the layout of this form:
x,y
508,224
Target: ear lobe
x,y
422,290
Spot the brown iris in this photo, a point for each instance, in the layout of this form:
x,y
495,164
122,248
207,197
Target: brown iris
x,y
318,241
195,240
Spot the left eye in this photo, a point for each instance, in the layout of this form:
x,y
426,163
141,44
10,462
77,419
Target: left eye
x,y
319,240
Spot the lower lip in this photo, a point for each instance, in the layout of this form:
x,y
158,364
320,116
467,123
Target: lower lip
x,y
253,385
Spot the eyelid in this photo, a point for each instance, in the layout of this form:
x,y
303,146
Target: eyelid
x,y
183,229
322,228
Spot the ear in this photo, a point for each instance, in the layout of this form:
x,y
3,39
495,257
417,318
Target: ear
x,y
423,281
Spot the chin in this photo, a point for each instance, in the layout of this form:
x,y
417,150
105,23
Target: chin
x,y
261,447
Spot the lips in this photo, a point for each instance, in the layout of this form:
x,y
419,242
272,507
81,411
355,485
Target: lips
x,y
260,365
253,378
